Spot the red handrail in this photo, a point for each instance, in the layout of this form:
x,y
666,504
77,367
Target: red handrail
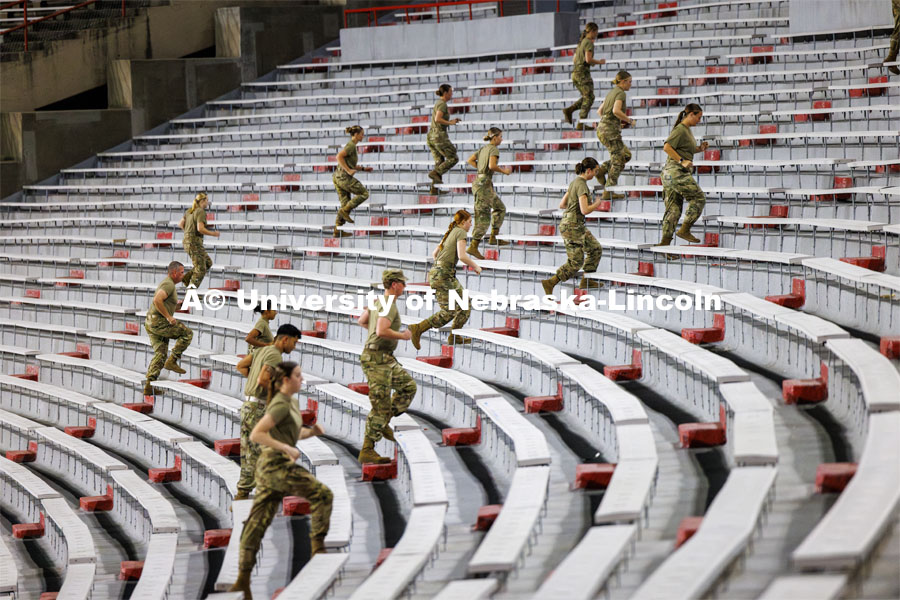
x,y
372,12
26,23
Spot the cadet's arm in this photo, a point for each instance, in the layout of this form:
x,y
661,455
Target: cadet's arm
x,y
158,301
564,201
434,254
492,165
702,147
464,256
585,207
201,227
251,339
383,330
342,161
243,367
181,223
589,59
620,113
363,320
670,151
439,118
260,435
473,161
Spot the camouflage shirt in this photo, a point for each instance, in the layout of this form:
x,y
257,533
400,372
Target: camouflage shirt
x,y
682,141
171,302
582,68
572,214
484,160
374,342
606,109
285,413
436,127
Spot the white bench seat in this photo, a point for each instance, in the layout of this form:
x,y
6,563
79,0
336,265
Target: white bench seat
x,y
821,586
624,408
837,224
33,485
878,378
548,355
628,494
159,510
316,576
317,452
63,395
224,469
226,403
78,581
472,387
717,368
423,531
814,328
228,573
341,526
752,428
143,340
18,351
426,475
727,527
753,305
848,533
505,541
87,452
529,444
9,572
38,326
469,589
585,569
159,567
79,541
348,396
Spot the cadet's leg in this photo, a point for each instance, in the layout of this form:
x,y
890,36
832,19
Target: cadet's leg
x,y
160,345
359,191
895,37
498,214
265,505
673,204
482,212
592,252
250,416
586,86
448,151
574,239
202,263
184,336
301,482
441,289
378,374
618,156
435,153
696,201
404,389
461,315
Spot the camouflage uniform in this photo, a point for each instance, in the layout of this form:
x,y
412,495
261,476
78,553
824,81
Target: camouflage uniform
x,y
895,34
489,209
252,411
347,185
442,279
384,373
443,151
193,246
581,77
161,331
609,132
679,185
582,249
277,476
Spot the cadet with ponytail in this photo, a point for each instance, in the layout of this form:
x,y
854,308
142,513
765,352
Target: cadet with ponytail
x,y
443,151
278,474
442,279
581,75
489,209
582,248
344,181
677,179
194,225
609,132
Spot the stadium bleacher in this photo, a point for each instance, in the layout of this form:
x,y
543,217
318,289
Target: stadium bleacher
x,y
564,452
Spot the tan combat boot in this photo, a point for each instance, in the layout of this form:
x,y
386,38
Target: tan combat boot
x,y
590,284
417,330
685,234
388,433
454,339
601,175
242,585
549,284
611,196
567,114
368,455
317,545
494,241
473,250
582,127
433,175
148,388
172,365
344,213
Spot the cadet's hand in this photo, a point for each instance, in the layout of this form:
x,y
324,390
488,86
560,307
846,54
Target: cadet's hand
x,y
704,146
477,269
632,122
406,335
602,61
353,172
291,452
369,169
687,164
317,429
172,320
507,171
455,121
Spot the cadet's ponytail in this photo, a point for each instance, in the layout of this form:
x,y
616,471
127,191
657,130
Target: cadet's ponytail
x,y
197,200
353,129
445,87
587,163
588,29
460,217
690,109
277,375
492,133
620,77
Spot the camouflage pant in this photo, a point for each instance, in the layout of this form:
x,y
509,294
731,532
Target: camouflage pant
x,y
251,413
582,250
347,186
384,373
442,280
585,85
895,35
489,209
279,477
160,332
201,261
444,153
678,186
610,135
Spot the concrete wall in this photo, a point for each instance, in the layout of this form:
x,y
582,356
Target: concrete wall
x,y
53,140
159,90
459,37
809,16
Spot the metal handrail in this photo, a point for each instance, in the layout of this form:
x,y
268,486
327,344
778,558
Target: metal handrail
x,y
26,23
